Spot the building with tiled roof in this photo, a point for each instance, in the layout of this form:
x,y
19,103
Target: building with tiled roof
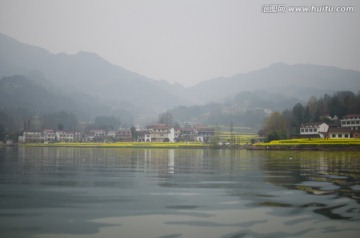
x,y
317,129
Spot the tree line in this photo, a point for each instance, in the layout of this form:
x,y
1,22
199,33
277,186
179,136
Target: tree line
x,y
286,124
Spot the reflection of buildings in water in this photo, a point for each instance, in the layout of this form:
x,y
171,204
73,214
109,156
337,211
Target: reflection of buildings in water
x,y
171,163
162,161
331,163
147,160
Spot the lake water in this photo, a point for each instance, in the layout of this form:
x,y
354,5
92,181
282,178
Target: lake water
x,y
169,193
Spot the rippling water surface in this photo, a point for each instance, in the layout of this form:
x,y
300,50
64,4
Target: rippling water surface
x,y
83,192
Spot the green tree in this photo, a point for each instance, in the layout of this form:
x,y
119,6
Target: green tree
x,y
313,105
307,115
133,133
60,127
298,111
275,126
2,132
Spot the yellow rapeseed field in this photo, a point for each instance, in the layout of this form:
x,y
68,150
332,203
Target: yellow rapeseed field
x,y
121,144
313,141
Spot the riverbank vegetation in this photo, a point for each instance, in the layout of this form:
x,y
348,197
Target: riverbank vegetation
x,y
280,126
310,144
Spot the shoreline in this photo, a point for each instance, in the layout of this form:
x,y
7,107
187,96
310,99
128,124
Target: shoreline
x,y
306,148
308,145
158,145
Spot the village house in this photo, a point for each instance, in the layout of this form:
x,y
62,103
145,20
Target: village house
x,y
49,135
111,134
335,133
351,121
143,136
161,133
204,134
88,137
77,136
177,132
31,137
123,135
98,133
65,136
186,134
348,127
316,129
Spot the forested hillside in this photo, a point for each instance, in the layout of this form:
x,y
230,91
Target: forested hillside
x,y
245,109
327,108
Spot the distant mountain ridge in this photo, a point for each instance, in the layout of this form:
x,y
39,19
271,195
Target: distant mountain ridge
x,y
87,74
20,92
87,79
299,80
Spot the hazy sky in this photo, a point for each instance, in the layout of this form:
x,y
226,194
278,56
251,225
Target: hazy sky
x,y
188,41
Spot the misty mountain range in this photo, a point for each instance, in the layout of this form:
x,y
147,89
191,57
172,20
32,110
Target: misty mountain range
x,y
88,85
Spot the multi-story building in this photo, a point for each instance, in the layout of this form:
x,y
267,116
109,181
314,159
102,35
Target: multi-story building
x,y
351,121
98,133
204,134
161,133
65,136
32,137
143,136
49,135
123,135
349,127
317,129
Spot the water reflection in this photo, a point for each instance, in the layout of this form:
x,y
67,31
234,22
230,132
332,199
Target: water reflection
x,y
83,192
331,178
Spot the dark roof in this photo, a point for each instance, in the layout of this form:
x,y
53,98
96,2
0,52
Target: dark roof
x,y
158,126
339,130
205,129
143,132
352,116
312,124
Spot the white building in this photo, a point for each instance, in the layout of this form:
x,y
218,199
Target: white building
x,y
31,137
49,135
318,129
351,121
99,133
65,136
143,136
339,133
161,133
111,134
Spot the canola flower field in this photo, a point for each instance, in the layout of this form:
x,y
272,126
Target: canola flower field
x,y
121,144
311,144
313,141
237,138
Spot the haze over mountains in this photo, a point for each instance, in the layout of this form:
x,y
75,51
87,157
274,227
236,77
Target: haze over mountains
x,y
88,85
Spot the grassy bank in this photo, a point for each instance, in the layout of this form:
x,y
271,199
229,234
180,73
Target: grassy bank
x,y
119,145
311,144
